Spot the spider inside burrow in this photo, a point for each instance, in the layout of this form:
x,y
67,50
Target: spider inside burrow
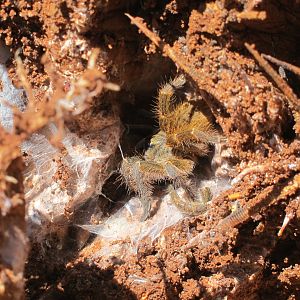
x,y
184,134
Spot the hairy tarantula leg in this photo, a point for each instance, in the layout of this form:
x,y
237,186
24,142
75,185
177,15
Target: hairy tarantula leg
x,y
188,206
210,137
178,82
133,173
166,99
146,204
144,191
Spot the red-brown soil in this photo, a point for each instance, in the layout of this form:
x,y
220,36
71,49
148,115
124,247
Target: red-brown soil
x,y
200,257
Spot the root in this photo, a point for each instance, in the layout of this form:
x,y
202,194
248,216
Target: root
x,y
197,75
249,170
282,63
270,195
251,208
283,86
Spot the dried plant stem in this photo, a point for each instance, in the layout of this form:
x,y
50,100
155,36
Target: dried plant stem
x,y
249,170
251,208
179,59
268,196
282,63
23,78
205,238
288,217
166,49
284,87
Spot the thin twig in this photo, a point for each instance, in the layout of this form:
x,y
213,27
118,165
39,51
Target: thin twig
x,y
284,87
166,49
282,63
179,59
269,195
23,78
251,208
249,170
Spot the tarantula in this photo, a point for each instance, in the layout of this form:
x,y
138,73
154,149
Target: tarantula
x,y
184,134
